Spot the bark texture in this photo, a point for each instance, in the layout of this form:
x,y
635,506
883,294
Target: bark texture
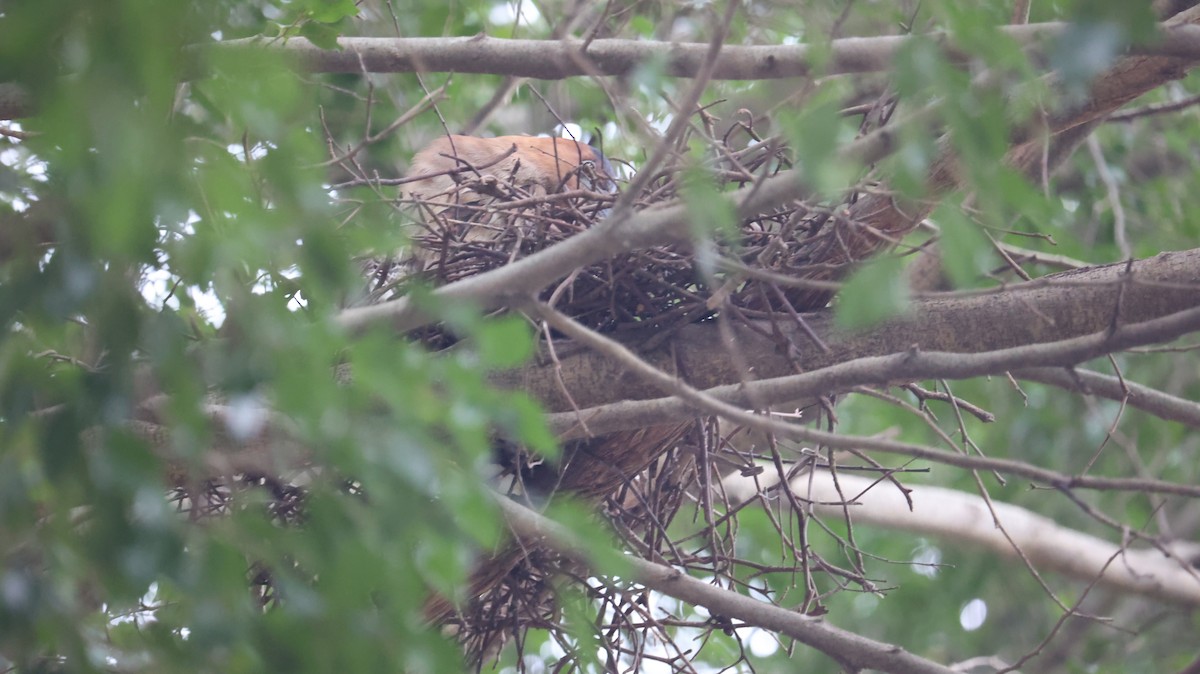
x,y
1056,307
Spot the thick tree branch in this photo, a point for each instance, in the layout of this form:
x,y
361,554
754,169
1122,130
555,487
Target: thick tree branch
x,y
958,517
1058,320
845,647
264,448
558,59
954,337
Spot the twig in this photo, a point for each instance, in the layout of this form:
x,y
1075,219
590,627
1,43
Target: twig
x,y
1126,116
1114,197
666,146
428,100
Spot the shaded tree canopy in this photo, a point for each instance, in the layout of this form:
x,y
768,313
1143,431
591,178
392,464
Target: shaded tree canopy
x,y
880,357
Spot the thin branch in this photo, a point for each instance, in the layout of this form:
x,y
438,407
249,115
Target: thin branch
x,y
1127,116
553,59
666,146
845,647
1145,398
430,98
898,367
1053,260
1113,192
1020,13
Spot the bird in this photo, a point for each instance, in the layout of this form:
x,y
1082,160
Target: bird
x,y
533,163
450,185
455,178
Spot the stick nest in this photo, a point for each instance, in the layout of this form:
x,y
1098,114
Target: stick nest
x,y
773,263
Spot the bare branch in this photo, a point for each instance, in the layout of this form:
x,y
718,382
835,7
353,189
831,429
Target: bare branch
x,y
960,517
1145,398
844,646
1155,109
1114,196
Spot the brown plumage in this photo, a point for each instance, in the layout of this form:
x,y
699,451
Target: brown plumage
x,y
458,177
449,193
533,164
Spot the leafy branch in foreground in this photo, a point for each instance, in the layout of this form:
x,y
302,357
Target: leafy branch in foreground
x,y
739,424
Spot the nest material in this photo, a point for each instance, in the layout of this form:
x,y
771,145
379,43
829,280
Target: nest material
x,y
488,223
523,585
643,289
765,272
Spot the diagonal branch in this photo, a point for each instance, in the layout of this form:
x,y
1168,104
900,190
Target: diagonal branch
x,y
1149,400
845,647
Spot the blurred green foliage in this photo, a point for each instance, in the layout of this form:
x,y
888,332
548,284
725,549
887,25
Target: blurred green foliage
x,y
199,246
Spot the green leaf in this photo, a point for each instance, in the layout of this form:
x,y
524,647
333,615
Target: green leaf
x,y
473,511
816,132
873,294
966,253
578,618
330,11
1085,50
504,342
642,25
445,563
711,212
529,423
591,537
919,62
321,34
